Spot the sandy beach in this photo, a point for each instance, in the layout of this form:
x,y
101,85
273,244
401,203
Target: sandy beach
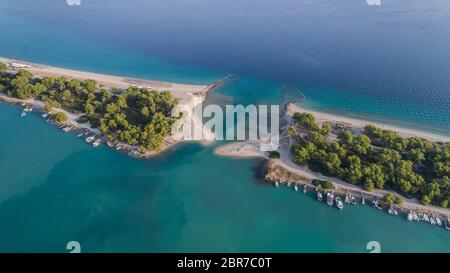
x,y
360,123
190,96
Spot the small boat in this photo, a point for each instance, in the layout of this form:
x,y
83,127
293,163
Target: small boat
x,y
426,218
296,187
410,216
28,109
44,115
421,216
97,143
304,189
67,129
347,198
376,204
353,200
415,216
23,115
90,139
330,198
390,210
319,196
339,203
289,184
438,221
447,224
276,184
363,200
79,135
432,221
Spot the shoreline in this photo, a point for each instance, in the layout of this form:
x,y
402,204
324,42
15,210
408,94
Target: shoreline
x,y
322,117
190,96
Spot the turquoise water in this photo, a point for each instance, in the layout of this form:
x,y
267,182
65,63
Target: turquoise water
x,y
54,188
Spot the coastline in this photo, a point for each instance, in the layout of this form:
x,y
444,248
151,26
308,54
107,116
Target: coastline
x,y
190,96
304,176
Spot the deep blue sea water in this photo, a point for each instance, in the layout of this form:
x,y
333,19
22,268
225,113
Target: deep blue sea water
x,y
388,62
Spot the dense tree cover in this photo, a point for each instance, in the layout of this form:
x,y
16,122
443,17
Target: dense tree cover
x,y
138,116
324,184
377,159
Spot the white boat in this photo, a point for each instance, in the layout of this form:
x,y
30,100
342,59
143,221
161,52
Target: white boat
x,y
319,196
438,221
339,203
432,221
363,200
67,129
410,216
353,200
376,204
44,115
23,115
447,224
97,143
296,187
80,135
425,218
276,184
390,210
415,216
420,216
347,198
304,189
330,198
90,139
289,184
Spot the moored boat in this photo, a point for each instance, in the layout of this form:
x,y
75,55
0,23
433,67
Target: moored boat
x,y
90,139
438,221
304,189
353,200
23,115
319,196
363,200
296,187
447,224
410,216
330,198
347,198
376,204
276,184
339,203
97,143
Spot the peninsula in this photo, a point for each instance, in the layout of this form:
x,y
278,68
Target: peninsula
x,y
401,168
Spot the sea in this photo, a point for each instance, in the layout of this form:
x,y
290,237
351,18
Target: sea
x,y
387,63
